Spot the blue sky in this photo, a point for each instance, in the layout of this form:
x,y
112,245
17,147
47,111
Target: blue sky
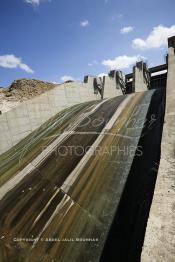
x,y
55,39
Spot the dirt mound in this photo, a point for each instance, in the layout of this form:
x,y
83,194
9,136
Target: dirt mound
x,y
24,89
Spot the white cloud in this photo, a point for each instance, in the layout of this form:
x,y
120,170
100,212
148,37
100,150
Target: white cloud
x,y
122,62
120,16
115,17
35,2
126,30
32,2
55,83
84,23
94,62
102,74
11,61
156,39
67,78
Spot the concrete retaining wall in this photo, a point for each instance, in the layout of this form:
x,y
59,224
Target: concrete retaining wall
x,y
16,124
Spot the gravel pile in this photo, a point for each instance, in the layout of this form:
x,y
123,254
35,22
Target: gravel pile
x,y
24,89
21,90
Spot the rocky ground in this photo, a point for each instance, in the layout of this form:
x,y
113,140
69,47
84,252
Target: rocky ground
x,y
21,90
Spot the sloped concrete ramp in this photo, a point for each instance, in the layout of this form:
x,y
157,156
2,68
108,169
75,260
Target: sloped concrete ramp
x,y
61,186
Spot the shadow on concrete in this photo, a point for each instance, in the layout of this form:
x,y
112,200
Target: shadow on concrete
x,y
126,235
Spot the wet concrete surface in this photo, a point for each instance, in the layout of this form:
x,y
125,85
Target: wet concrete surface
x,y
26,150
43,183
65,199
126,236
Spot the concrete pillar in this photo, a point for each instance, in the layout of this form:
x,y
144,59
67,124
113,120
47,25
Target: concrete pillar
x,y
114,84
89,79
95,83
141,77
99,85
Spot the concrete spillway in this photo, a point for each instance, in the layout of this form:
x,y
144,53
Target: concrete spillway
x,y
91,181
73,181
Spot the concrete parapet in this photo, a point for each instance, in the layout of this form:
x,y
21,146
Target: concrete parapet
x,y
107,86
141,77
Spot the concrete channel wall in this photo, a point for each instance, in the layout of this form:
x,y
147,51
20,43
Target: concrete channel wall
x,y
19,122
159,242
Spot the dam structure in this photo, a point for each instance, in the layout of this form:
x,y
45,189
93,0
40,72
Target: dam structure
x,y
87,170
